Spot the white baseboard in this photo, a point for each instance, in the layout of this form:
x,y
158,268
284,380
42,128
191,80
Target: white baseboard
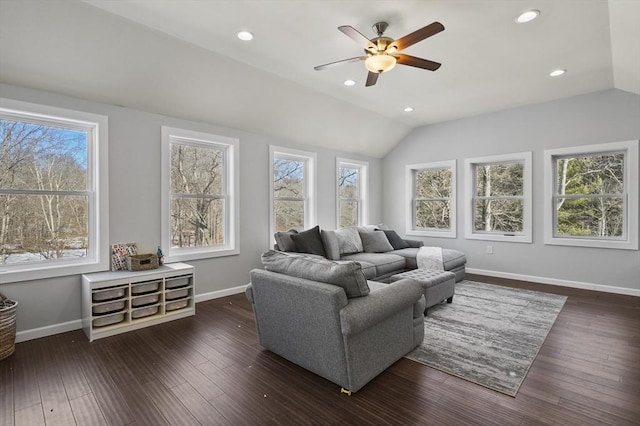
x,y
220,293
50,330
558,282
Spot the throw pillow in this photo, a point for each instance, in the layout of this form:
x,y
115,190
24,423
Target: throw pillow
x,y
345,274
396,240
284,241
349,240
309,241
375,242
331,245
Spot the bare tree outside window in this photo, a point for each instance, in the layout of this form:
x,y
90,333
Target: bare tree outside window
x,y
432,199
289,193
349,195
197,195
589,195
44,199
499,197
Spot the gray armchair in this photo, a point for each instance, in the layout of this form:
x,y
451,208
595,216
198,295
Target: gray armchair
x,y
348,341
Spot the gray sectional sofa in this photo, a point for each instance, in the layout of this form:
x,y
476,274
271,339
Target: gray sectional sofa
x,y
323,301
382,253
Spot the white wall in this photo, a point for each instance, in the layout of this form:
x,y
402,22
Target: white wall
x,y
607,116
134,204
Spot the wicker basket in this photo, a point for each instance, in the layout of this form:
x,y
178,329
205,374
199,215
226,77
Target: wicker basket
x,y
7,326
142,262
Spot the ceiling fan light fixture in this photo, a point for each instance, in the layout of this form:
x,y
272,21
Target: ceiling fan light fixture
x,y
527,16
380,63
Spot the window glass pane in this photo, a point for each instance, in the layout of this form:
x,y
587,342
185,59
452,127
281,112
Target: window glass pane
x,y
499,215
197,222
432,215
39,157
590,217
288,215
288,178
590,174
500,179
433,183
196,170
348,213
38,228
348,182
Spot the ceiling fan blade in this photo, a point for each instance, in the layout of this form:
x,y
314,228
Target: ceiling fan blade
x,y
418,35
336,63
372,78
412,61
358,37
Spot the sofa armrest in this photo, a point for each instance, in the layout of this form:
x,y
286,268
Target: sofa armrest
x,y
414,243
364,312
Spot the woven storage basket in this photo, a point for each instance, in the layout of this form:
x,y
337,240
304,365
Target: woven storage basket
x,y
142,262
7,326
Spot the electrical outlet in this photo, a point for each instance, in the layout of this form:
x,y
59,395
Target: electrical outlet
x,y
489,249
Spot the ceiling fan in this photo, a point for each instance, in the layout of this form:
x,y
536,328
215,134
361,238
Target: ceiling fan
x,y
382,53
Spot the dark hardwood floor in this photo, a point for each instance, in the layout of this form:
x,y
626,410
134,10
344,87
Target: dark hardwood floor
x,y
209,369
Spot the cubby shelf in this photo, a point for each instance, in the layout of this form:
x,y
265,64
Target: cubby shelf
x,y
119,301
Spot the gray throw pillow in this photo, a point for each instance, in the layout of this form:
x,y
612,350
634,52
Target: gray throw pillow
x,y
284,241
309,241
345,274
396,241
331,245
375,242
349,240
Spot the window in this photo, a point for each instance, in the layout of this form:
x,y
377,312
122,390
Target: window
x,y
292,188
352,202
591,196
53,189
499,196
431,199
199,195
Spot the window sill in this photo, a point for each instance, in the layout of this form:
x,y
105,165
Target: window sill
x,y
200,254
500,237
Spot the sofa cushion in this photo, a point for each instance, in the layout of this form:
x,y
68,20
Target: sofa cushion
x,y
309,241
331,245
347,275
284,241
375,242
452,259
349,240
410,254
384,262
396,240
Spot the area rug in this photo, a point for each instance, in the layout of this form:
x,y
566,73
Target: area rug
x,y
489,335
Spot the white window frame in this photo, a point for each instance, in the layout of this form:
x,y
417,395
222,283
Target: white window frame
x,y
363,188
410,202
629,241
310,159
98,251
525,236
231,147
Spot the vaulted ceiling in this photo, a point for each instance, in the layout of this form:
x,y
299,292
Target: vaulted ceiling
x,y
182,58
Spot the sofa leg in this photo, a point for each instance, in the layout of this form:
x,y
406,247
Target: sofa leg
x,y
343,390
449,300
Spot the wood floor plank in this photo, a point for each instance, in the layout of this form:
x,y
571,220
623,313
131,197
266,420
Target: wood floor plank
x,y
210,369
86,411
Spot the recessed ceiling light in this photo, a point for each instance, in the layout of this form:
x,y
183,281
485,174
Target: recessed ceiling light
x,y
527,16
349,82
245,36
408,109
557,73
